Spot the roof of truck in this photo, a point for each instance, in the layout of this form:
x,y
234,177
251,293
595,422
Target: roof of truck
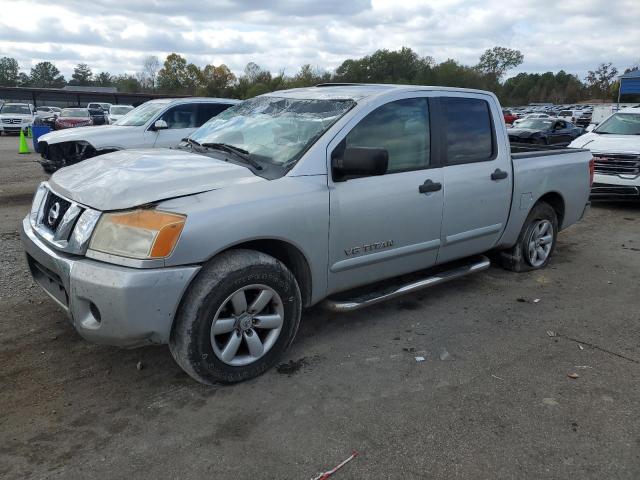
x,y
357,91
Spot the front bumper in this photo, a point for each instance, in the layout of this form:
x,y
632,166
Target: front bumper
x,y
106,303
14,128
615,187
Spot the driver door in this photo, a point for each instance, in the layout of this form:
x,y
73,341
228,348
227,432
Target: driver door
x,y
383,226
181,120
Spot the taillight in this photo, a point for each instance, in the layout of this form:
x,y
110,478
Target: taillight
x,y
592,170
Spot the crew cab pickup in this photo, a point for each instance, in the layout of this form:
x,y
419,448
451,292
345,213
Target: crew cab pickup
x,y
615,145
345,195
156,123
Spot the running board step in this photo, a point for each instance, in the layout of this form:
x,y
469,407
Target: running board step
x,y
477,264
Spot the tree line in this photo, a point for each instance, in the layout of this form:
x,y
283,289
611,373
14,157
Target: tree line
x,y
177,76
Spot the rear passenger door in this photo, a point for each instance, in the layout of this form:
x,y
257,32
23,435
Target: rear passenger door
x,y
383,226
477,175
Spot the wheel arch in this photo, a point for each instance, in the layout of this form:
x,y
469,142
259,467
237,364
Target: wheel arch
x,y
289,254
556,201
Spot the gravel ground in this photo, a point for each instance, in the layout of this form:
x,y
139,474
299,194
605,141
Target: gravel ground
x,y
492,399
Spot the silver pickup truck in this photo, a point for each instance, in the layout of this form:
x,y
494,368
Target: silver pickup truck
x,y
291,199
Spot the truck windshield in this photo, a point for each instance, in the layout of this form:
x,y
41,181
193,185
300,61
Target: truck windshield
x,y
141,115
273,129
621,124
21,109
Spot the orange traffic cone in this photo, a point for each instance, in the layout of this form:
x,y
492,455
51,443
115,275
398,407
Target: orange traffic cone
x,y
23,148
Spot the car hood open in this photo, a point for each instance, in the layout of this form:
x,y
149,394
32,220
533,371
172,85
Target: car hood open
x,y
129,178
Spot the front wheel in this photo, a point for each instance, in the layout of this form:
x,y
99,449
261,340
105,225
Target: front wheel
x,y
536,241
237,319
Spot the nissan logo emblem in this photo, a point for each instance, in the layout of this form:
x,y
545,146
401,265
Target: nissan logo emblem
x,y
54,212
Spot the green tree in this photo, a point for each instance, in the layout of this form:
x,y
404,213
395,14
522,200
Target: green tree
x,y
217,81
82,75
46,75
172,76
127,83
9,72
192,79
103,79
498,60
600,80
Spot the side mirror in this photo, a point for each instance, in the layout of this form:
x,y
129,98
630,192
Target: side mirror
x,y
355,162
590,127
160,125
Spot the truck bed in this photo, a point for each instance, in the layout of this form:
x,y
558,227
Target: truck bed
x,y
527,150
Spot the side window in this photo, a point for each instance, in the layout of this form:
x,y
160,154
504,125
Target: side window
x,y
206,111
469,130
400,127
181,116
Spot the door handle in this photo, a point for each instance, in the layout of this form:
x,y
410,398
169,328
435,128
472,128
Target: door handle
x,y
429,186
499,174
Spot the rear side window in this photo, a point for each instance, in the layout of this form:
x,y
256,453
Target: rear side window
x,y
400,127
209,110
469,130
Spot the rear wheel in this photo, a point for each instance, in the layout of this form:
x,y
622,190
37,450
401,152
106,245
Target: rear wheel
x,y
536,241
238,317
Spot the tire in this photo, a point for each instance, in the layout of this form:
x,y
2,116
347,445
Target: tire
x,y
48,169
519,258
211,298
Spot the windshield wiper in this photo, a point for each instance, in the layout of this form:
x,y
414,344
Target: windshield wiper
x,y
241,153
191,141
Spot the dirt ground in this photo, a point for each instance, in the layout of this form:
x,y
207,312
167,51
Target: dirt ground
x,y
491,400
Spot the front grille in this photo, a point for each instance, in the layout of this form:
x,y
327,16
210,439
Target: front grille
x,y
53,211
14,121
617,164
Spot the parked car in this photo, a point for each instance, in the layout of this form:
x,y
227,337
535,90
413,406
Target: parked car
x,y
544,131
72,117
99,116
46,111
291,199
15,117
99,106
615,145
157,123
509,116
116,112
46,119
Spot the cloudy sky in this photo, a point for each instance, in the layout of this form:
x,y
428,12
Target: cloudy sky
x,y
115,35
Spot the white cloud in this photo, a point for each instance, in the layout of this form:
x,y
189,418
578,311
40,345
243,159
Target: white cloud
x,y
115,35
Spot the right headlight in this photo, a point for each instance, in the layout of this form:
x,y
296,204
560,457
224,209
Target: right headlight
x,y
141,234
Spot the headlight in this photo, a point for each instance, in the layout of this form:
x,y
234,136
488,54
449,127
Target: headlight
x,y
138,234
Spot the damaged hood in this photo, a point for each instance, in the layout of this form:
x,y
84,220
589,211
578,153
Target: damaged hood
x,y
129,178
82,133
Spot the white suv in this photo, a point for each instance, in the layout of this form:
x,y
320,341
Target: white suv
x,y
15,117
156,123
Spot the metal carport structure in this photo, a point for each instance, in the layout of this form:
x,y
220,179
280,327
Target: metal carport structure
x,y
68,97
